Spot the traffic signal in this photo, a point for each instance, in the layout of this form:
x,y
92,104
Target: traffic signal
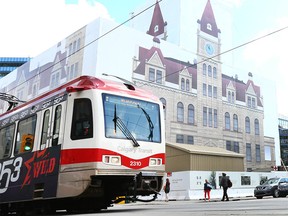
x,y
27,142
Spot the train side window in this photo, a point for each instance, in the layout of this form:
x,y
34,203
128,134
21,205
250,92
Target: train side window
x,y
6,140
45,128
25,135
56,127
82,124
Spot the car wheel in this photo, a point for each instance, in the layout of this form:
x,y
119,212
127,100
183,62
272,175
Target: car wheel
x,y
276,193
259,197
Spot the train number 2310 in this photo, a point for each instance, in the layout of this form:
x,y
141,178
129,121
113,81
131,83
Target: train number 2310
x,y
135,163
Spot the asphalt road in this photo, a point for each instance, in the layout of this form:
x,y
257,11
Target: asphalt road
x,y
247,206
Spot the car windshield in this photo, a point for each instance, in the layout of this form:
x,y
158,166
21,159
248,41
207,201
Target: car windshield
x,y
272,181
128,118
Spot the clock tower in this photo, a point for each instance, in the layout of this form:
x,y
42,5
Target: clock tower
x,y
208,34
209,80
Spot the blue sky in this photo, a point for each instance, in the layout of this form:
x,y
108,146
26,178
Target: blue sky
x,y
30,27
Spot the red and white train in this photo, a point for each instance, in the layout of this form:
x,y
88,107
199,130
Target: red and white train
x,y
81,146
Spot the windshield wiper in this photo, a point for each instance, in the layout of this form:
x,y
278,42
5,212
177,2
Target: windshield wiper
x,y
120,124
151,126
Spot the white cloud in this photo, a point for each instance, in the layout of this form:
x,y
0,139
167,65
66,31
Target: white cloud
x,y
32,26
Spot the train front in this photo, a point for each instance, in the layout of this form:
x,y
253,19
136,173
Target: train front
x,y
133,145
121,152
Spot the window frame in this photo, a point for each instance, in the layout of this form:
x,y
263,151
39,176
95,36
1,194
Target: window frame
x,y
7,150
180,112
22,131
82,122
227,121
247,125
191,114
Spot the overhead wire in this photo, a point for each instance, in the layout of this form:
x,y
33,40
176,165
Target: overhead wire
x,y
227,51
136,15
93,41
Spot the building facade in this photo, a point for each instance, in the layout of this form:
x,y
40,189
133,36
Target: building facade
x,y
203,105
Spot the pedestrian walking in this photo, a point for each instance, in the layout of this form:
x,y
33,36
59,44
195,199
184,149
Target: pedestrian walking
x,y
224,184
166,189
207,189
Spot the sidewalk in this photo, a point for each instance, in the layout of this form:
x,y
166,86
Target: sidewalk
x,y
230,199
216,194
162,202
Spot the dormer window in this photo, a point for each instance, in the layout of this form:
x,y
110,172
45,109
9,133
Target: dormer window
x,y
185,81
209,26
231,96
231,93
156,28
155,75
251,102
182,84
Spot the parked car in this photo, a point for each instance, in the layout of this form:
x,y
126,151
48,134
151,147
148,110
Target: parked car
x,y
276,187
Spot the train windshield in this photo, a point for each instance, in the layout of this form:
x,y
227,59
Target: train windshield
x,y
128,118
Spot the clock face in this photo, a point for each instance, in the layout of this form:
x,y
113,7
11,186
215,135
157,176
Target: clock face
x,y
209,49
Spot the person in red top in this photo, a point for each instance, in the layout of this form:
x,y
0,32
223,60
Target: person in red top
x,y
207,189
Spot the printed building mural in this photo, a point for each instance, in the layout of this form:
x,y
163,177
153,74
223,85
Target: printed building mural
x,y
203,106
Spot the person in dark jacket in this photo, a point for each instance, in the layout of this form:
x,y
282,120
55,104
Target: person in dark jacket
x,y
167,189
224,185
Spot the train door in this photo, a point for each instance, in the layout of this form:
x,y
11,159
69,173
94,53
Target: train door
x,y
52,126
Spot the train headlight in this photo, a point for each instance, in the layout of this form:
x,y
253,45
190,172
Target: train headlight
x,y
152,162
115,160
111,159
155,162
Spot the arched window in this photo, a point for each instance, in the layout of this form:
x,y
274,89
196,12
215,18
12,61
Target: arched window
x,y
235,122
156,28
204,69
180,112
187,85
227,121
164,106
191,114
247,125
257,129
183,84
209,71
214,72
209,26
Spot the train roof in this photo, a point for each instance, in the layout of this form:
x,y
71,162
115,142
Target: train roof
x,y
87,83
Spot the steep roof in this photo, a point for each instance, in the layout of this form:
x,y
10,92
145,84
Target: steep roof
x,y
208,18
241,88
157,26
172,66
